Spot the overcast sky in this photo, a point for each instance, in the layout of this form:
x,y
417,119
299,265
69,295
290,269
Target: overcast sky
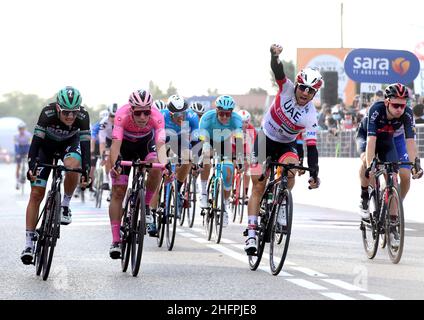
x,y
109,48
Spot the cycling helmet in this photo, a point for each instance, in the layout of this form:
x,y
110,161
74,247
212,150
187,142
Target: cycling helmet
x,y
103,114
396,90
310,77
112,109
176,103
161,105
69,98
225,102
245,115
141,99
21,125
197,107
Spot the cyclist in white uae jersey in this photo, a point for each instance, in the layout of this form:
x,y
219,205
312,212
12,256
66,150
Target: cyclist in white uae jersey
x,y
291,112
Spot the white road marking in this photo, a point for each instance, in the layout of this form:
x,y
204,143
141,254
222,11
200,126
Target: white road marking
x,y
376,296
344,285
336,296
309,272
306,284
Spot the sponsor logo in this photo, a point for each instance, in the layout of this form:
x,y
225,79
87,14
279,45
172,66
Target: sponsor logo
x,y
401,66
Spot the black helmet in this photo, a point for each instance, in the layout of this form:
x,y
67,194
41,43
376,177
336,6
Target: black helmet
x,y
396,90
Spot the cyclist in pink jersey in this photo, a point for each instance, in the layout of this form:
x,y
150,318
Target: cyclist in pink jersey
x,y
138,133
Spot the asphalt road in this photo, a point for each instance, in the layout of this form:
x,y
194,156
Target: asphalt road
x,y
325,261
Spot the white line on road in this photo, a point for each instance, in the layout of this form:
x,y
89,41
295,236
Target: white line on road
x,y
343,285
376,296
309,272
200,240
281,274
336,296
306,284
187,234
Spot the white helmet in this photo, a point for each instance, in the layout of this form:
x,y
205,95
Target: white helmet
x,y
21,125
112,109
310,77
161,105
245,115
103,114
197,107
176,103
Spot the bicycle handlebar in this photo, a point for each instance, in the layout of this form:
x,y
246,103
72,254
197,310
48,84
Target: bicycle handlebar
x,y
286,166
143,164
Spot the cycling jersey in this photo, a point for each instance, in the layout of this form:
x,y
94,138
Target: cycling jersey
x,y
383,128
213,129
51,133
125,128
22,142
285,119
105,131
249,137
95,131
190,126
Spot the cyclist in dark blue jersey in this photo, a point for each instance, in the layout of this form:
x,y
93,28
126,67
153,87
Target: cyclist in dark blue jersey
x,y
384,118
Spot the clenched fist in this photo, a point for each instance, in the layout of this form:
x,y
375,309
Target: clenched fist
x,y
276,49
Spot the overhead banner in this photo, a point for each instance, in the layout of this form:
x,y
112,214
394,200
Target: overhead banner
x,y
328,59
381,66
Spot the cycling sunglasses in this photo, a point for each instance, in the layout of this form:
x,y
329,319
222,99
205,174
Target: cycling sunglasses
x,y
68,113
398,105
138,113
303,87
178,114
224,113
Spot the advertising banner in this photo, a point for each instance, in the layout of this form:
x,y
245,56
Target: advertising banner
x,y
381,66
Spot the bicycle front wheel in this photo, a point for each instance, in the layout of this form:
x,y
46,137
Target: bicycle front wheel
x,y
126,238
209,216
52,229
191,210
395,225
161,214
282,217
255,260
138,231
370,236
218,208
171,226
99,187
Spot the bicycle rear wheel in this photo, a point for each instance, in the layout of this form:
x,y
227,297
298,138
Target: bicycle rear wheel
x,y
126,238
218,208
370,234
138,231
171,226
255,260
53,225
395,228
280,232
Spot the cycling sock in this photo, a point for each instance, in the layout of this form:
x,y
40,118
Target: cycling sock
x,y
66,200
364,193
179,185
29,236
116,225
149,196
204,186
251,227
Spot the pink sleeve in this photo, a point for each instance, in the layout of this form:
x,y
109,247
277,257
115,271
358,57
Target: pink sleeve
x,y
118,124
158,125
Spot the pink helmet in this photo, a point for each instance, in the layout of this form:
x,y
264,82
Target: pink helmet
x,y
141,99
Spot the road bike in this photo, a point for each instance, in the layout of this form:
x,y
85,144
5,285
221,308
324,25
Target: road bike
x,y
275,217
386,222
